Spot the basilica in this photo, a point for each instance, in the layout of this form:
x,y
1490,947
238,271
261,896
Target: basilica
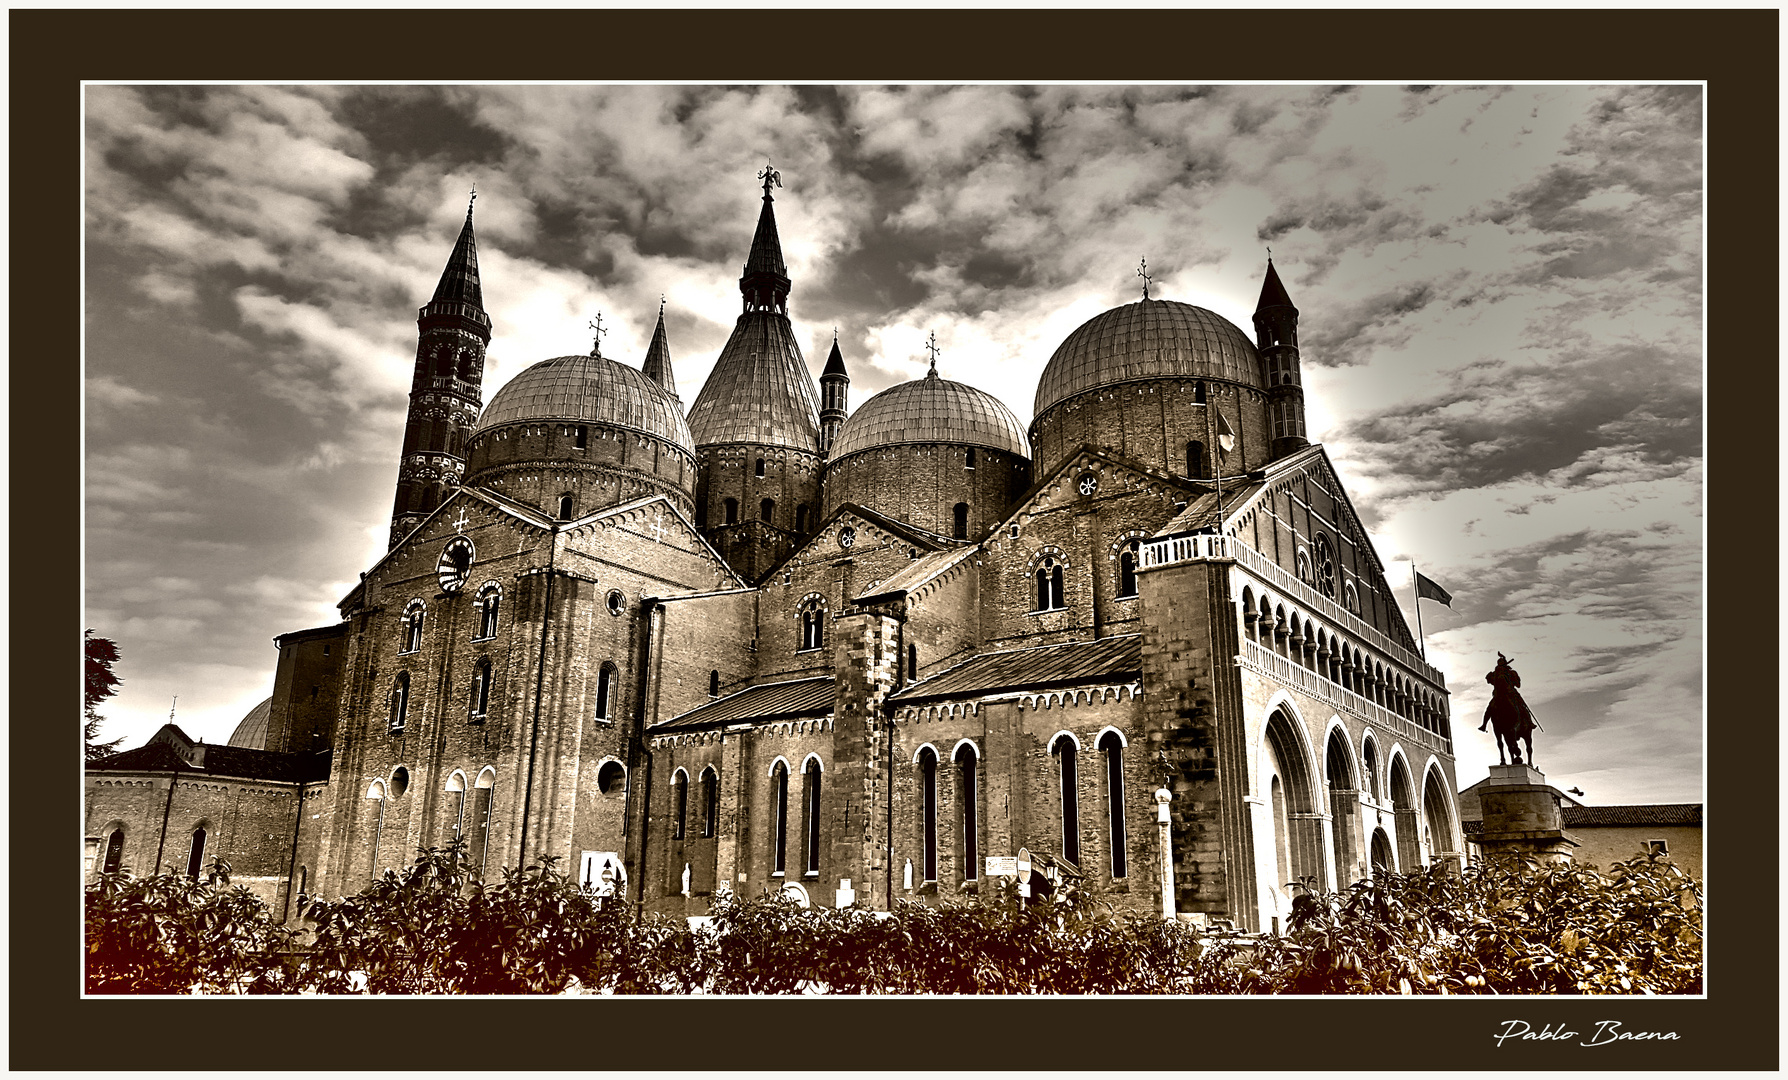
x,y
764,641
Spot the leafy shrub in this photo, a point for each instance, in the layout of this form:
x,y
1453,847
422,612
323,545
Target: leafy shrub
x,y
170,934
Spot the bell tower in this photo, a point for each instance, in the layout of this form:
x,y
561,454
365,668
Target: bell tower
x,y
453,330
1276,332
835,388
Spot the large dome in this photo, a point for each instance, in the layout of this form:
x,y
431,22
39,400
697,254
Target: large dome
x,y
932,410
590,389
252,731
1150,339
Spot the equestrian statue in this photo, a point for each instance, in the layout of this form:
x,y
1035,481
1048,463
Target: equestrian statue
x,y
1513,720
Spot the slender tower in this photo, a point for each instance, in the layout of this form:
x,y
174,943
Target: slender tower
x,y
658,357
1276,331
835,388
445,392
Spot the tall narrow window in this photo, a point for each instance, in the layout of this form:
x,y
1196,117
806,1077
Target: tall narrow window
x,y
1113,746
969,462
1127,569
412,636
779,815
912,663
1055,586
959,522
565,505
483,795
195,856
1195,460
680,796
732,511
583,437
480,690
714,683
710,801
400,702
801,518
456,804
1042,588
490,598
810,801
766,511
928,809
1064,750
114,852
966,796
605,684
760,468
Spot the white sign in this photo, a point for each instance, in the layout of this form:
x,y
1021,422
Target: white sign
x,y
601,872
1002,866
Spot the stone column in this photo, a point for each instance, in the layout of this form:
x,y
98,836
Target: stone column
x,y
1522,819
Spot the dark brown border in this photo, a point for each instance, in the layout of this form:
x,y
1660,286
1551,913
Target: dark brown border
x,y
1735,51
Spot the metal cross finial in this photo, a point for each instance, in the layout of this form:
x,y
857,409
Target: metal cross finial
x,y
596,325
1143,273
661,305
769,176
471,202
1269,253
932,346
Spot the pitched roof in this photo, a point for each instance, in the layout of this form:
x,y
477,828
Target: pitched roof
x,y
1042,667
235,762
917,573
1644,814
1272,291
790,700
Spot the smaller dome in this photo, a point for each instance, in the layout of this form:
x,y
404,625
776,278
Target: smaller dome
x,y
592,389
932,410
252,731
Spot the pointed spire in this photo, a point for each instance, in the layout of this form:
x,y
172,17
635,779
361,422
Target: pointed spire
x,y
765,283
835,359
459,282
658,356
1272,290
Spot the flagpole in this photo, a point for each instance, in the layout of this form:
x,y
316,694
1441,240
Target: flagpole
x,y
1418,588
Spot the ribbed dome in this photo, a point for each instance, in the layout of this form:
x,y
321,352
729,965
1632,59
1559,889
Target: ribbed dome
x,y
252,731
932,410
1150,339
760,390
588,388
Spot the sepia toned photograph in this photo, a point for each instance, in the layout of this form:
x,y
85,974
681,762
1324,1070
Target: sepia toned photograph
x,y
809,539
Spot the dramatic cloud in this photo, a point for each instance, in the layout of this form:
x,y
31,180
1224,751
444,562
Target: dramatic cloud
x,y
1500,291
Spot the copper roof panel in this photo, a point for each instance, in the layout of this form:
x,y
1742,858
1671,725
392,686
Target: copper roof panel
x,y
760,390
932,410
771,701
1043,667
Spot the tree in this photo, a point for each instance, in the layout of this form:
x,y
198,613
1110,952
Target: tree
x,y
102,683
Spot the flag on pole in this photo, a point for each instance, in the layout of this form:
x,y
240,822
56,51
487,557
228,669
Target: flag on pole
x,y
1425,587
1225,437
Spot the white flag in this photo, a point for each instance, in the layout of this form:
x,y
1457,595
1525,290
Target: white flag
x,y
1225,437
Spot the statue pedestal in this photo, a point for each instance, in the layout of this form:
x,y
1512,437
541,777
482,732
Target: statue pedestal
x,y
1522,819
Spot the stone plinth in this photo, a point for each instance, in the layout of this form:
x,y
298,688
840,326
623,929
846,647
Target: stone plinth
x,y
1522,817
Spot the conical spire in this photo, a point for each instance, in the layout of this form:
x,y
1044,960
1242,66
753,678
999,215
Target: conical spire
x,y
835,361
1272,291
459,282
765,282
658,356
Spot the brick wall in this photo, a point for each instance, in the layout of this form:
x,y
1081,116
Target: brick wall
x,y
1152,421
921,483
535,463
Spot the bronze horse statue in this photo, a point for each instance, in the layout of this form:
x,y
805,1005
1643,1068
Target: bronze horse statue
x,y
1513,720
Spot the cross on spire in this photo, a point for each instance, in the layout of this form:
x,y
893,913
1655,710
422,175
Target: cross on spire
x,y
770,176
471,201
1143,273
931,345
596,325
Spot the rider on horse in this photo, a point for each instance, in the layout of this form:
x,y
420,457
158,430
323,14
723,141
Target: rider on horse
x,y
1513,720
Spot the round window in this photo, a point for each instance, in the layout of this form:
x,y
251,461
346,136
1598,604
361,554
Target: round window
x,y
455,564
400,781
847,536
616,602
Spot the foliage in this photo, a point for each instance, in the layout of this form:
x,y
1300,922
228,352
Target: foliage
x,y
430,929
101,683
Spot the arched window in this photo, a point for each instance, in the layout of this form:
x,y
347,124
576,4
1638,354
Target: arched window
x,y
801,518
1371,767
959,522
480,690
912,663
928,810
583,437
779,815
195,856
605,686
412,634
732,511
966,791
1351,597
710,801
1325,567
565,506
810,804
766,511
760,468
1065,751
1049,585
489,599
1127,568
1303,565
812,618
1198,393
714,683
1113,746
400,702
969,461
456,802
1195,467
483,796
114,852
680,800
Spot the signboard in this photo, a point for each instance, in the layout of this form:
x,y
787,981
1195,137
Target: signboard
x,y
1024,866
1002,866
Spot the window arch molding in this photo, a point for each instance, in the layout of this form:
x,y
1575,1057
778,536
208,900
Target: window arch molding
x,y
956,751
490,604
935,752
410,639
810,622
782,761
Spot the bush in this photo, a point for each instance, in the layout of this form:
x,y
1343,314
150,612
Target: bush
x,y
1569,930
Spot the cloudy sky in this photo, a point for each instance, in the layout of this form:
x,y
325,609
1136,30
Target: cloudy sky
x,y
1501,325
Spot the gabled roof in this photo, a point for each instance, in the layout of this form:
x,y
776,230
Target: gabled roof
x,y
1643,814
913,576
792,700
1042,667
1073,461
220,760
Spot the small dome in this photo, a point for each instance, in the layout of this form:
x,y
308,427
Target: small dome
x,y
932,410
1150,339
252,731
590,389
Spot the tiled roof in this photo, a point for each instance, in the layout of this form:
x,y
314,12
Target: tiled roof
x,y
592,388
1150,339
918,572
932,410
1041,667
770,701
766,245
1645,814
459,281
236,762
1272,291
760,390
